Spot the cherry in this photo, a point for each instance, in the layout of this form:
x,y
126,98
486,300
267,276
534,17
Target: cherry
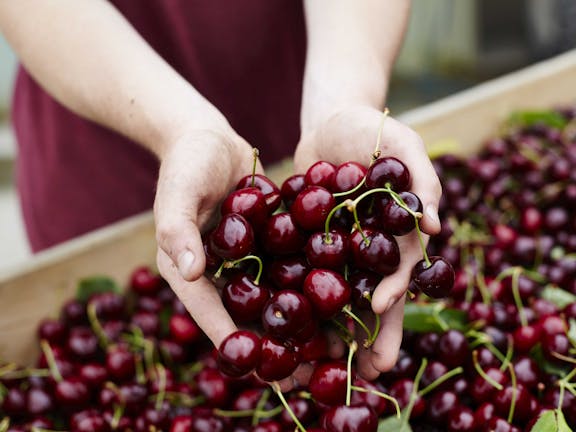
x,y
82,343
498,424
53,331
435,280
89,421
120,363
148,304
289,272
314,349
555,344
184,329
453,348
328,383
348,175
311,207
329,251
527,372
374,401
281,235
388,170
266,186
328,292
482,390
243,298
321,173
133,396
398,221
277,360
39,401
71,393
239,353
345,418
303,409
145,282
148,322
362,285
525,337
248,399
14,402
93,374
73,312
248,202
288,314
268,426
377,251
233,238
291,187
440,406
213,386
503,399
108,305
461,419
401,390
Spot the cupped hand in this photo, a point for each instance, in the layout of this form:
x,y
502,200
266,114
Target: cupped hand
x,y
351,135
196,173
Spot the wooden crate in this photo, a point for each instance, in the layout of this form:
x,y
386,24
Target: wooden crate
x,y
38,288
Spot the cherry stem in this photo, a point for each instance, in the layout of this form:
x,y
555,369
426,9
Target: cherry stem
x,y
563,357
516,293
51,360
350,191
376,153
26,373
96,326
118,413
453,372
382,395
231,264
345,333
514,392
140,375
4,424
260,405
10,367
255,413
255,154
508,358
352,349
161,371
345,203
414,393
276,388
348,311
184,399
483,374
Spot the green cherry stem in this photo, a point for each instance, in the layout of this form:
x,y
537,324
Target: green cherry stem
x,y
483,374
352,349
259,406
453,372
348,311
382,395
231,264
255,154
96,326
516,294
276,388
328,238
413,395
4,424
514,392
51,360
376,153
161,371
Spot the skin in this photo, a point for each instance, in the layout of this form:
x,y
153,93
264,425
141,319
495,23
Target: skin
x,y
351,49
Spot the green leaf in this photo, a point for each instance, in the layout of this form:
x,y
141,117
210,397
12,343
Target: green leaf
x,y
562,424
548,367
558,296
87,287
546,422
393,424
433,317
532,118
572,331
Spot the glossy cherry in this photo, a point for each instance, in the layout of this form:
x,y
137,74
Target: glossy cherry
x,y
248,202
375,251
266,186
233,238
239,353
327,250
435,280
388,170
244,299
288,315
327,291
311,207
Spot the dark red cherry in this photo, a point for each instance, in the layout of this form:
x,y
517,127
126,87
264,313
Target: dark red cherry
x,y
320,173
461,419
328,383
239,353
233,238
248,202
144,281
39,401
345,418
388,170
375,251
93,374
288,315
303,409
266,186
395,219
291,187
289,272
71,393
244,300
108,305
316,348
82,343
453,348
52,331
277,360
73,312
401,390
184,329
348,175
526,337
435,280
120,363
327,291
311,207
363,284
440,406
213,386
329,251
374,401
281,235
482,390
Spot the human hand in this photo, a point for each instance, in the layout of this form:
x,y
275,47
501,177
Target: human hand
x,y
350,135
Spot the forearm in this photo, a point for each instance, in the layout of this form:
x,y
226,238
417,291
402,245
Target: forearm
x,y
351,50
91,60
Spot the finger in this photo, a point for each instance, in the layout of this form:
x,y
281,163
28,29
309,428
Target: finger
x,y
393,287
201,299
364,354
384,352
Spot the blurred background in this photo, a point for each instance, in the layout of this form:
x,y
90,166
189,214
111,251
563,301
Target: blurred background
x,y
450,45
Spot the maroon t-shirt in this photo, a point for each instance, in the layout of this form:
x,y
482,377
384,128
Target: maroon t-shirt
x,y
246,57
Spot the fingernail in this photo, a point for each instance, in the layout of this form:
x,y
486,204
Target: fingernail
x,y
432,213
185,262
